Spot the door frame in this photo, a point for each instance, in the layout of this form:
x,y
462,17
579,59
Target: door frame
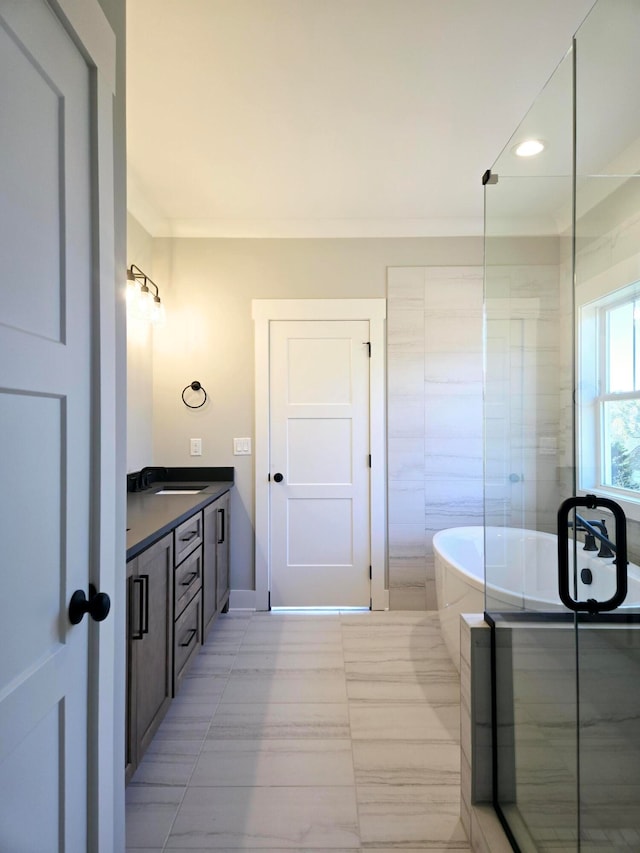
x,y
263,312
89,29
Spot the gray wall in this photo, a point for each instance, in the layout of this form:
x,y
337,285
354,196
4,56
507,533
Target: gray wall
x,y
139,360
208,286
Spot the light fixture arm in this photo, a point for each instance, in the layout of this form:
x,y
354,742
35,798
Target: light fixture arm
x,y
136,276
134,273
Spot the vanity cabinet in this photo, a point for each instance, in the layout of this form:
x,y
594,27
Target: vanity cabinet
x,y
175,589
187,639
222,552
215,582
149,646
188,581
187,610
188,536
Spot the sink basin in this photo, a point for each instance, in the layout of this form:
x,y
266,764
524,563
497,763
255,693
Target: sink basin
x,y
181,490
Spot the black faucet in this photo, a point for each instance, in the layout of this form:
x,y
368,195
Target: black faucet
x,y
595,530
144,476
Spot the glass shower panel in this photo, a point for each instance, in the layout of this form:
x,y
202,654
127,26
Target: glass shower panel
x,y
609,736
528,352
529,470
607,260
537,746
562,419
607,288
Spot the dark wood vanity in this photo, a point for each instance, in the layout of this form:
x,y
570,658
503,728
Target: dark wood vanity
x,y
177,585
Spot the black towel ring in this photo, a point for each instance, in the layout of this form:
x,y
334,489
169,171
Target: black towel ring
x,y
195,386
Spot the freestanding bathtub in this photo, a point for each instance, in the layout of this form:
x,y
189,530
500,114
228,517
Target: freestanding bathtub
x,y
522,573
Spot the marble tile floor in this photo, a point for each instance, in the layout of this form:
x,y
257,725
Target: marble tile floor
x,y
307,732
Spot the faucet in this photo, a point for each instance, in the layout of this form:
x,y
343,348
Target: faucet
x,y
144,477
593,530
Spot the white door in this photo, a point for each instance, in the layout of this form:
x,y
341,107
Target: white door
x,y
319,433
49,428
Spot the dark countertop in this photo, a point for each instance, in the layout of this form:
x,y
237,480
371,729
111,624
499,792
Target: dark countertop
x,y
151,516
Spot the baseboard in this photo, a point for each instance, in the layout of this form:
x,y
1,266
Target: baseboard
x,y
245,599
242,599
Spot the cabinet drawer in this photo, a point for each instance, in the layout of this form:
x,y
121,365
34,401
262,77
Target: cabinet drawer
x,y
187,639
188,579
187,537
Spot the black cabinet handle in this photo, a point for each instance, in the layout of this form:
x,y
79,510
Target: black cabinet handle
x,y
189,536
222,526
191,635
189,579
138,633
97,605
145,623
142,582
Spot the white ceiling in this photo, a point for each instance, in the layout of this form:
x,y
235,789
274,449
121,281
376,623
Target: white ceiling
x,y
329,118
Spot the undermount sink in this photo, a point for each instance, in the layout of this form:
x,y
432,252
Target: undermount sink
x,y
181,490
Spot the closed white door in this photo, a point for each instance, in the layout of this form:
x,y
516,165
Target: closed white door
x,y
319,471
47,431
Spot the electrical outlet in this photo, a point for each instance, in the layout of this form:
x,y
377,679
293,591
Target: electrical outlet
x,y
242,447
196,447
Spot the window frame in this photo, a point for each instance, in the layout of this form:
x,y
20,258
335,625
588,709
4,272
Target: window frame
x,y
593,395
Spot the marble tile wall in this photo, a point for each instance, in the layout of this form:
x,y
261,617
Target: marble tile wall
x,y
434,382
475,715
523,395
435,409
476,768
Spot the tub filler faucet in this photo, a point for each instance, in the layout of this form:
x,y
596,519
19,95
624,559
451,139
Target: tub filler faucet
x,y
595,530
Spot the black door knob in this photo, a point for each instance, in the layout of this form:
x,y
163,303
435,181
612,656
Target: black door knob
x,y
97,605
278,478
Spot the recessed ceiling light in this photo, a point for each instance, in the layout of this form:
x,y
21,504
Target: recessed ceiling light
x,y
529,148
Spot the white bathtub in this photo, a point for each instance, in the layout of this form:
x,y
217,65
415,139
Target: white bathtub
x,y
522,573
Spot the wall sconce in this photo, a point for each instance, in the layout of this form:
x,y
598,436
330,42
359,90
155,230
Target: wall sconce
x,y
141,301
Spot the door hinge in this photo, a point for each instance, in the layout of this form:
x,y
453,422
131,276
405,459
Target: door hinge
x,y
368,344
371,604
269,599
370,573
369,460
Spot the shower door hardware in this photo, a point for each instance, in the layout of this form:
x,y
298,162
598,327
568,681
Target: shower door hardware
x,y
489,177
591,605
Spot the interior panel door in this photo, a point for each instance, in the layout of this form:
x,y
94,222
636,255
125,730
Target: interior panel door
x,y
46,428
319,403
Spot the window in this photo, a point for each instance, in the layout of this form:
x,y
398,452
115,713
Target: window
x,y
610,395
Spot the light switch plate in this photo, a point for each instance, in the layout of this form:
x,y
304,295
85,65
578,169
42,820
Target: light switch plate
x,y
242,447
196,446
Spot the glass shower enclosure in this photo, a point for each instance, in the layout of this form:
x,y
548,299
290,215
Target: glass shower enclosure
x,y
562,451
